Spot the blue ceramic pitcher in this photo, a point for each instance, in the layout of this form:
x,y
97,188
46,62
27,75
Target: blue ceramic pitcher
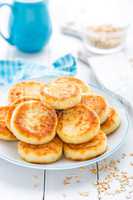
x,y
29,26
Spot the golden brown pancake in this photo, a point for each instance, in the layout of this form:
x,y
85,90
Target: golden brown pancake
x,y
61,95
44,153
112,123
5,134
85,89
28,89
34,123
88,150
98,104
78,124
12,108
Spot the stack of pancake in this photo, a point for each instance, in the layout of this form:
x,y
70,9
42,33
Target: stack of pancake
x,y
62,117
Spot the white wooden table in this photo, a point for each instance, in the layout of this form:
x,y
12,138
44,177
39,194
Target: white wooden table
x,y
111,179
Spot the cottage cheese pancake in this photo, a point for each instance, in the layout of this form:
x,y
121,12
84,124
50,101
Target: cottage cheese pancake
x,y
12,108
112,122
44,153
29,89
61,95
88,150
98,104
78,124
85,89
34,123
5,134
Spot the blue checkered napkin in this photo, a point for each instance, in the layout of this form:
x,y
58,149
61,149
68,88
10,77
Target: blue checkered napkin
x,y
8,70
19,70
66,63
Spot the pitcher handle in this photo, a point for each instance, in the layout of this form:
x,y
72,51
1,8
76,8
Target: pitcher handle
x,y
5,38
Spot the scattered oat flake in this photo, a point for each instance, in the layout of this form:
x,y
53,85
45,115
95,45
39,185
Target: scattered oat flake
x,y
66,182
82,168
68,177
84,194
131,154
131,163
124,181
93,171
77,179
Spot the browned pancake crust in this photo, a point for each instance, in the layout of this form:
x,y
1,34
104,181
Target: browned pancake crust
x,y
85,89
5,134
44,153
98,104
78,124
12,108
34,123
29,89
61,95
87,150
112,123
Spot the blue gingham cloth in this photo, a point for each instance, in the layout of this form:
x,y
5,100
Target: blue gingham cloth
x,y
12,71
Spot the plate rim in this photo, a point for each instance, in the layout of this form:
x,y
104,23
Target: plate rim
x,y
81,163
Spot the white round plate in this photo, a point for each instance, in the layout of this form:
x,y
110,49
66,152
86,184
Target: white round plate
x,y
8,150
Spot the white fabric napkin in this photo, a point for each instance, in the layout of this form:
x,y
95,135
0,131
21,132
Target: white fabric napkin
x,y
115,73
